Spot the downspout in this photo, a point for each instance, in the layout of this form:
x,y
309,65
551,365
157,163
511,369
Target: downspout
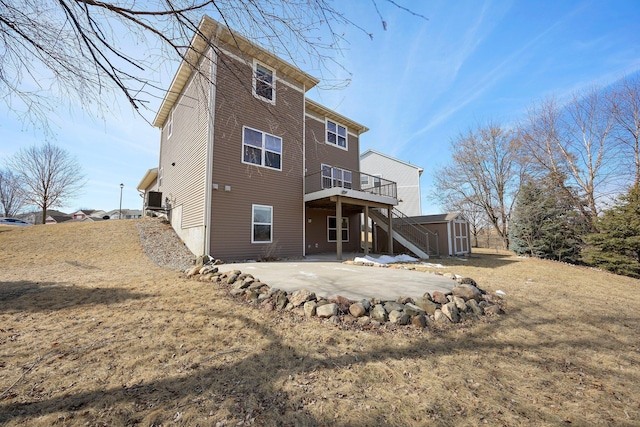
x,y
304,170
210,139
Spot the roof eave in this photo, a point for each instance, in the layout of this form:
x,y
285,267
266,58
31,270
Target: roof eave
x,y
207,28
147,179
321,109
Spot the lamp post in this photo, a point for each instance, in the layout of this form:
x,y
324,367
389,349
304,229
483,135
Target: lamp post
x,y
121,187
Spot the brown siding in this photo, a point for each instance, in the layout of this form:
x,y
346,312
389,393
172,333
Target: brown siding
x,y
231,210
317,235
318,152
183,155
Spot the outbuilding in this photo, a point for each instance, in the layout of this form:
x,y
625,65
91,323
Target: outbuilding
x,y
452,230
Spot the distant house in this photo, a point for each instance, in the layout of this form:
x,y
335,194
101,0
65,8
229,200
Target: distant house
x,y
36,216
82,214
57,219
93,219
126,214
405,175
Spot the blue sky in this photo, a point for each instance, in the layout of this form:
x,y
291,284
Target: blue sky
x,y
415,85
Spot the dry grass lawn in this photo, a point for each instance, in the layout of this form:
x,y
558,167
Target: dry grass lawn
x,y
93,333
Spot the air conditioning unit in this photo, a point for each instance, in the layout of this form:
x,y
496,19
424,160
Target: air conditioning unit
x,y
154,200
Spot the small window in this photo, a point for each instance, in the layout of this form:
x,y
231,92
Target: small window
x,y
170,124
262,149
364,180
336,134
264,83
332,229
261,224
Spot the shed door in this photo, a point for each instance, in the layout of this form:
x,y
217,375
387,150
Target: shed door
x,y
460,237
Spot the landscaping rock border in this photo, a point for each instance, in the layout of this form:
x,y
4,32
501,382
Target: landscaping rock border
x,y
465,302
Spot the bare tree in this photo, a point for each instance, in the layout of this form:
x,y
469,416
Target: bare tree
x,y
484,172
574,141
625,106
12,197
474,215
49,174
80,49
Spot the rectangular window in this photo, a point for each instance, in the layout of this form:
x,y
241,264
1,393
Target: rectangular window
x,y
336,177
170,124
364,180
336,134
261,224
332,229
261,148
326,176
264,86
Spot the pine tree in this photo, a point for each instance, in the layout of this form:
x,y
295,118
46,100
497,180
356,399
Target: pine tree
x,y
617,247
545,223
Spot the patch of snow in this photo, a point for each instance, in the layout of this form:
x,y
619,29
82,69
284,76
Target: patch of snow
x,y
385,259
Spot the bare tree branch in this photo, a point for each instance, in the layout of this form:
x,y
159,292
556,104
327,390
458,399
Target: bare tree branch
x,y
79,50
49,174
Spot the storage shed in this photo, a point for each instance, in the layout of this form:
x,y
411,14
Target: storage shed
x,y
452,229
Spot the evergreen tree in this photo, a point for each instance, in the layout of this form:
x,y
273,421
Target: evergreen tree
x,y
545,223
617,247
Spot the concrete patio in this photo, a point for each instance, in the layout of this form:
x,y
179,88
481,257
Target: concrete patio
x,y
329,277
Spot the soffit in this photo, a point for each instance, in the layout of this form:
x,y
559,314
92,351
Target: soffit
x,y
209,29
326,112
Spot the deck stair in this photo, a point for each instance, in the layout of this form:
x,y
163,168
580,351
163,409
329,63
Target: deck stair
x,y
415,237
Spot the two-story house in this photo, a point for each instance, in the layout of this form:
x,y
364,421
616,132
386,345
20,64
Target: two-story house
x,y
249,166
405,175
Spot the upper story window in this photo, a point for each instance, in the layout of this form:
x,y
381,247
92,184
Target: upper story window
x,y
264,86
170,124
336,134
261,148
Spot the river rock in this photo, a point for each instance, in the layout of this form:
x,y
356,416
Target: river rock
x,y
327,310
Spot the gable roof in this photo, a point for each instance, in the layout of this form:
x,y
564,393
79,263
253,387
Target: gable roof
x,y
324,111
59,218
370,152
208,29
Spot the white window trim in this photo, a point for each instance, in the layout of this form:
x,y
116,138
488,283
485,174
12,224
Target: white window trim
x,y
254,77
346,137
264,149
253,224
170,124
343,228
333,176
377,179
